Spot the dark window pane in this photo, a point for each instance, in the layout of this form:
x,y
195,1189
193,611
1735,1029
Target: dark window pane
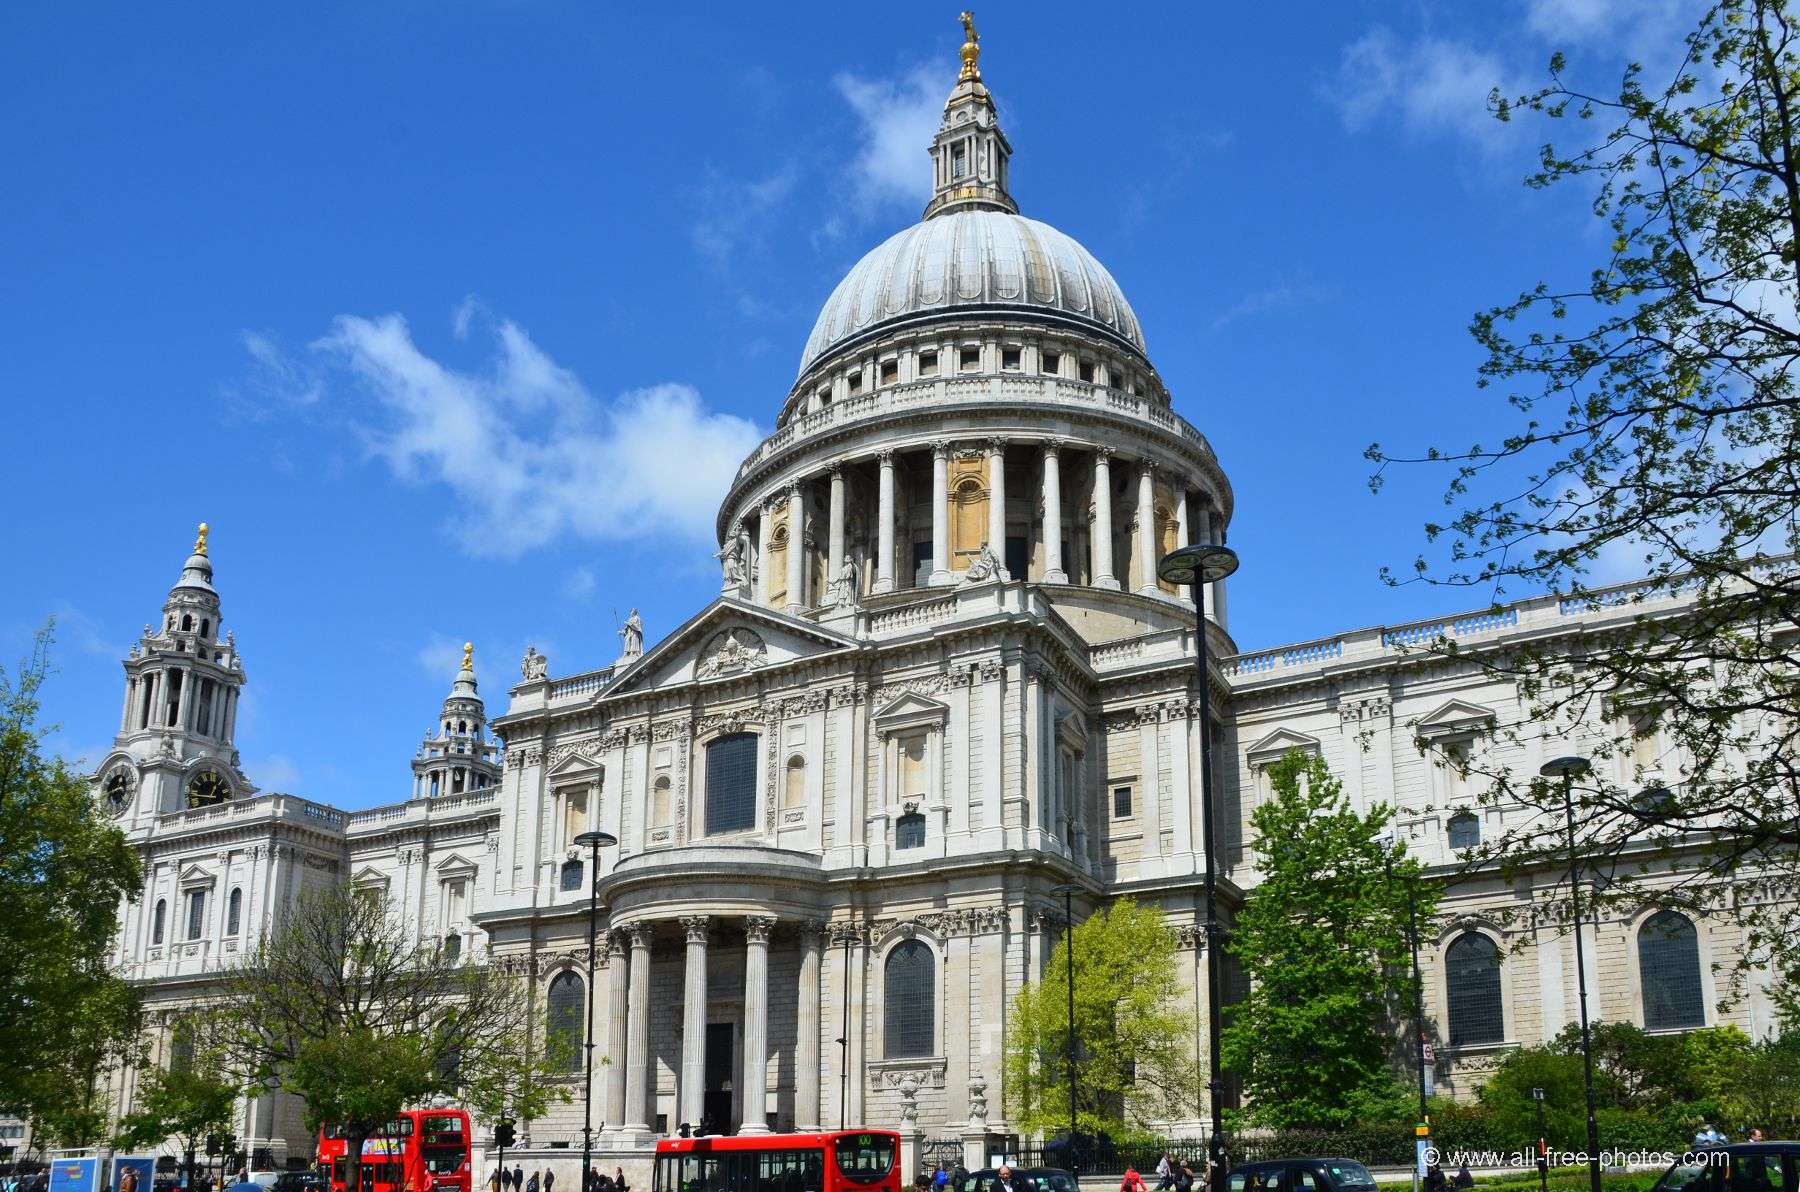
x,y
1472,976
1121,802
562,1026
909,831
1018,557
1669,967
571,875
910,1000
1465,831
731,784
234,912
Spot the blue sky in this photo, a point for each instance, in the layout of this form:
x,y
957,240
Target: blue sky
x,y
453,319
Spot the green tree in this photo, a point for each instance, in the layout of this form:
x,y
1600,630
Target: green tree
x,y
186,1101
1653,421
64,870
1507,1095
1323,940
1135,1063
340,1006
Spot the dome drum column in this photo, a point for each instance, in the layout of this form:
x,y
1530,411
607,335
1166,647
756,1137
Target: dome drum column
x,y
796,550
834,547
1146,529
884,533
1102,534
940,514
996,534
1053,560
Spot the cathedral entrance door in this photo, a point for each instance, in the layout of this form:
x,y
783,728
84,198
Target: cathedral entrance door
x,y
721,1060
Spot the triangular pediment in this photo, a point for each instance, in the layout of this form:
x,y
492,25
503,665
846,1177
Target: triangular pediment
x,y
911,708
1273,747
368,877
727,638
456,865
576,765
194,875
1456,716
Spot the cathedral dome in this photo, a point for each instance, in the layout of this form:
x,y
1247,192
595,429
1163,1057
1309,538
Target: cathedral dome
x,y
973,259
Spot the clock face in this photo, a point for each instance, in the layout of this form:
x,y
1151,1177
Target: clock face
x,y
118,792
207,789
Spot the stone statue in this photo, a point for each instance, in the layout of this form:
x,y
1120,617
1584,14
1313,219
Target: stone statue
x,y
632,631
986,566
535,666
971,48
732,557
978,1100
845,590
909,1103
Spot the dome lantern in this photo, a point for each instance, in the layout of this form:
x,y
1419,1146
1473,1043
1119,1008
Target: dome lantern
x,y
969,154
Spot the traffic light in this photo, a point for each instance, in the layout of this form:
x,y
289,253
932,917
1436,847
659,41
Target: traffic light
x,y
503,1134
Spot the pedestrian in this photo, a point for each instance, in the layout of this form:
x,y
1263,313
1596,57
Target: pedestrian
x,y
1434,1179
619,1183
940,1179
1165,1173
535,1182
497,1181
1184,1177
1003,1180
1755,1135
549,1178
1462,1178
1133,1182
518,1176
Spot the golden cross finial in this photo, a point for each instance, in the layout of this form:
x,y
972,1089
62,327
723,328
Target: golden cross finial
x,y
468,655
200,541
971,48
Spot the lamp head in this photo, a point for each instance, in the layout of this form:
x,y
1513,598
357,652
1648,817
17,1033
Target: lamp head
x,y
1199,564
593,840
1565,767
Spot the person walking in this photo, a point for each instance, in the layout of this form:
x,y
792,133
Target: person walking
x,y
940,1179
518,1177
535,1182
549,1178
619,1183
1003,1180
1165,1173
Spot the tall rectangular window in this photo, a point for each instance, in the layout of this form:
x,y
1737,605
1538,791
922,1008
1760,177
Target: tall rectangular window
x,y
196,913
1121,802
731,784
912,768
575,813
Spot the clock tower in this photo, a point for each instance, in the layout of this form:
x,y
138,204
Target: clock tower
x,y
174,750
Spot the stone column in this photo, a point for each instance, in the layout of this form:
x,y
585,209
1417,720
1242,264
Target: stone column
x,y
940,512
125,716
1101,534
637,1033
1206,590
756,1025
806,1047
612,1111
1146,528
692,1090
765,531
185,699
834,552
1182,537
1053,560
884,527
796,549
1218,586
996,453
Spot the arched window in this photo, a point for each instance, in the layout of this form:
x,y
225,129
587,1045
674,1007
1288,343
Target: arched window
x,y
1465,830
158,919
205,626
793,792
1669,968
181,1046
660,811
234,911
562,1023
1472,981
731,784
909,830
909,1000
571,875
187,622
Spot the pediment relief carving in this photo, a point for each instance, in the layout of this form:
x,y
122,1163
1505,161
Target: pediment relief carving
x,y
738,648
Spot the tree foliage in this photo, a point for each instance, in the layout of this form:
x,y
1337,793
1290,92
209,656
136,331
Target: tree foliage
x,y
1323,940
1133,1038
1653,426
64,870
340,1006
186,1100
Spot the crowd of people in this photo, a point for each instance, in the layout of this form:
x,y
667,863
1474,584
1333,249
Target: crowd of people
x,y
545,1181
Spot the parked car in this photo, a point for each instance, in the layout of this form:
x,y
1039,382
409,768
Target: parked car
x,y
1737,1167
300,1181
1026,1179
1300,1175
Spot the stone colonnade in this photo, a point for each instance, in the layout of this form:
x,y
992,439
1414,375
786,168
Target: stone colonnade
x,y
793,499
626,1093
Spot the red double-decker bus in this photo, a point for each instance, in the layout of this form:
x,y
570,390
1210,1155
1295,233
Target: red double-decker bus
x,y
839,1161
422,1150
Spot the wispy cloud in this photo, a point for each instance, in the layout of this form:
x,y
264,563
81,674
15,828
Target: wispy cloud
x,y
1426,85
1276,297
440,657
531,454
898,117
737,214
276,772
580,583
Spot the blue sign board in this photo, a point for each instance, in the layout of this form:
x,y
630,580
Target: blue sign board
x,y
73,1175
142,1169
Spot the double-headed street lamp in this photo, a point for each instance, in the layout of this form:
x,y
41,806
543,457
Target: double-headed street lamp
x,y
593,842
1193,567
1568,769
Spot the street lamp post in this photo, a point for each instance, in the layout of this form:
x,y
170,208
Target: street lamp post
x,y
1412,945
844,1045
1191,567
1067,890
593,841
1568,769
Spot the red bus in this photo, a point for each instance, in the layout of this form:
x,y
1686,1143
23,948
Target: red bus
x,y
422,1150
839,1161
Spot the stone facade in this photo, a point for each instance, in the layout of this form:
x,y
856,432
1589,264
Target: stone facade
x,y
941,679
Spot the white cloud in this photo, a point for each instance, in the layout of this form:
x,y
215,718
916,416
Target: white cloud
x,y
532,456
1276,297
1642,29
441,657
580,583
277,772
738,215
899,116
1432,85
